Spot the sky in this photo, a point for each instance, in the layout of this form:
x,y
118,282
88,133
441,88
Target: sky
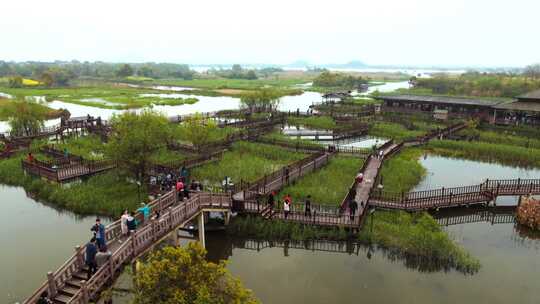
x,y
479,33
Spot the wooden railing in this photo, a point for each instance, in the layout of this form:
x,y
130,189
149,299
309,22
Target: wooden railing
x,y
279,178
63,170
456,196
172,216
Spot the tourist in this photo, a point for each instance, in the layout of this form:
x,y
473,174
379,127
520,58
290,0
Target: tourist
x,y
186,191
131,223
99,234
359,178
353,205
123,222
145,210
271,199
381,154
308,206
286,208
180,190
44,298
90,259
30,157
287,198
184,173
66,154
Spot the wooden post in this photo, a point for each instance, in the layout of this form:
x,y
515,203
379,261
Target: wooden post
x,y
84,291
52,284
519,184
201,229
79,254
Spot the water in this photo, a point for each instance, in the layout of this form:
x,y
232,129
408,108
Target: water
x,y
36,239
449,172
509,259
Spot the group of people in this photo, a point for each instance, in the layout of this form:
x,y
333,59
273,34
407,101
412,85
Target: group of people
x,y
287,203
183,191
96,250
167,181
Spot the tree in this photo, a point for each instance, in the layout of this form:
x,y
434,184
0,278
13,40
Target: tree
x,y
251,75
199,130
25,117
176,275
263,100
15,82
532,71
135,139
125,71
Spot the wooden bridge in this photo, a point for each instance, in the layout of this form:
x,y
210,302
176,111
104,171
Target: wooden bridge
x,y
62,167
68,284
455,197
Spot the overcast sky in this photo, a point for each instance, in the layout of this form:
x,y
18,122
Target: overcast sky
x,y
404,32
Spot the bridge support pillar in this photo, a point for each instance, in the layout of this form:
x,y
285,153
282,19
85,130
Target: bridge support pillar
x,y
201,229
227,218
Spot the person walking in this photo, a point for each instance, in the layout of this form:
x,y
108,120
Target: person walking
x,y
353,205
286,208
123,222
99,234
145,210
359,178
271,199
381,154
90,259
308,206
287,198
131,223
180,190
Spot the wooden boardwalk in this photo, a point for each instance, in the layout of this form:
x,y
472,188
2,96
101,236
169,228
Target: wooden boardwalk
x,y
457,196
491,215
68,284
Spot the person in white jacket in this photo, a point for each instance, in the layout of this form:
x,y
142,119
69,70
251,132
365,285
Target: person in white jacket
x,y
123,222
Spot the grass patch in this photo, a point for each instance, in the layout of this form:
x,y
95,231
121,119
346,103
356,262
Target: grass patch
x,y
106,97
328,185
246,161
499,153
315,122
417,235
256,227
6,103
403,172
393,130
165,156
105,194
505,137
215,134
89,147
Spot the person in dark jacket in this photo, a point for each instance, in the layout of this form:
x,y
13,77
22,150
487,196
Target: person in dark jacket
x,y
131,223
308,206
353,205
44,298
99,234
271,199
91,251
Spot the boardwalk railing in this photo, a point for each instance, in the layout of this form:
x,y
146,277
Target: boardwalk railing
x,y
172,216
303,146
281,177
61,171
457,196
312,245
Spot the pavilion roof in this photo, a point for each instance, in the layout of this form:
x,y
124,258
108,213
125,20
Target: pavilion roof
x,y
474,101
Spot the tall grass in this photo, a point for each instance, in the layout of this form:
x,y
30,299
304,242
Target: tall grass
x,y
315,122
393,130
328,185
89,147
500,153
506,137
246,161
257,227
104,194
403,171
416,234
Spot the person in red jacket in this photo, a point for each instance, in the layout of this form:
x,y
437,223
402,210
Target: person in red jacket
x,y
180,190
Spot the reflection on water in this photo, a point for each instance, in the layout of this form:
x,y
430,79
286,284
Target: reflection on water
x,y
303,274
35,239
